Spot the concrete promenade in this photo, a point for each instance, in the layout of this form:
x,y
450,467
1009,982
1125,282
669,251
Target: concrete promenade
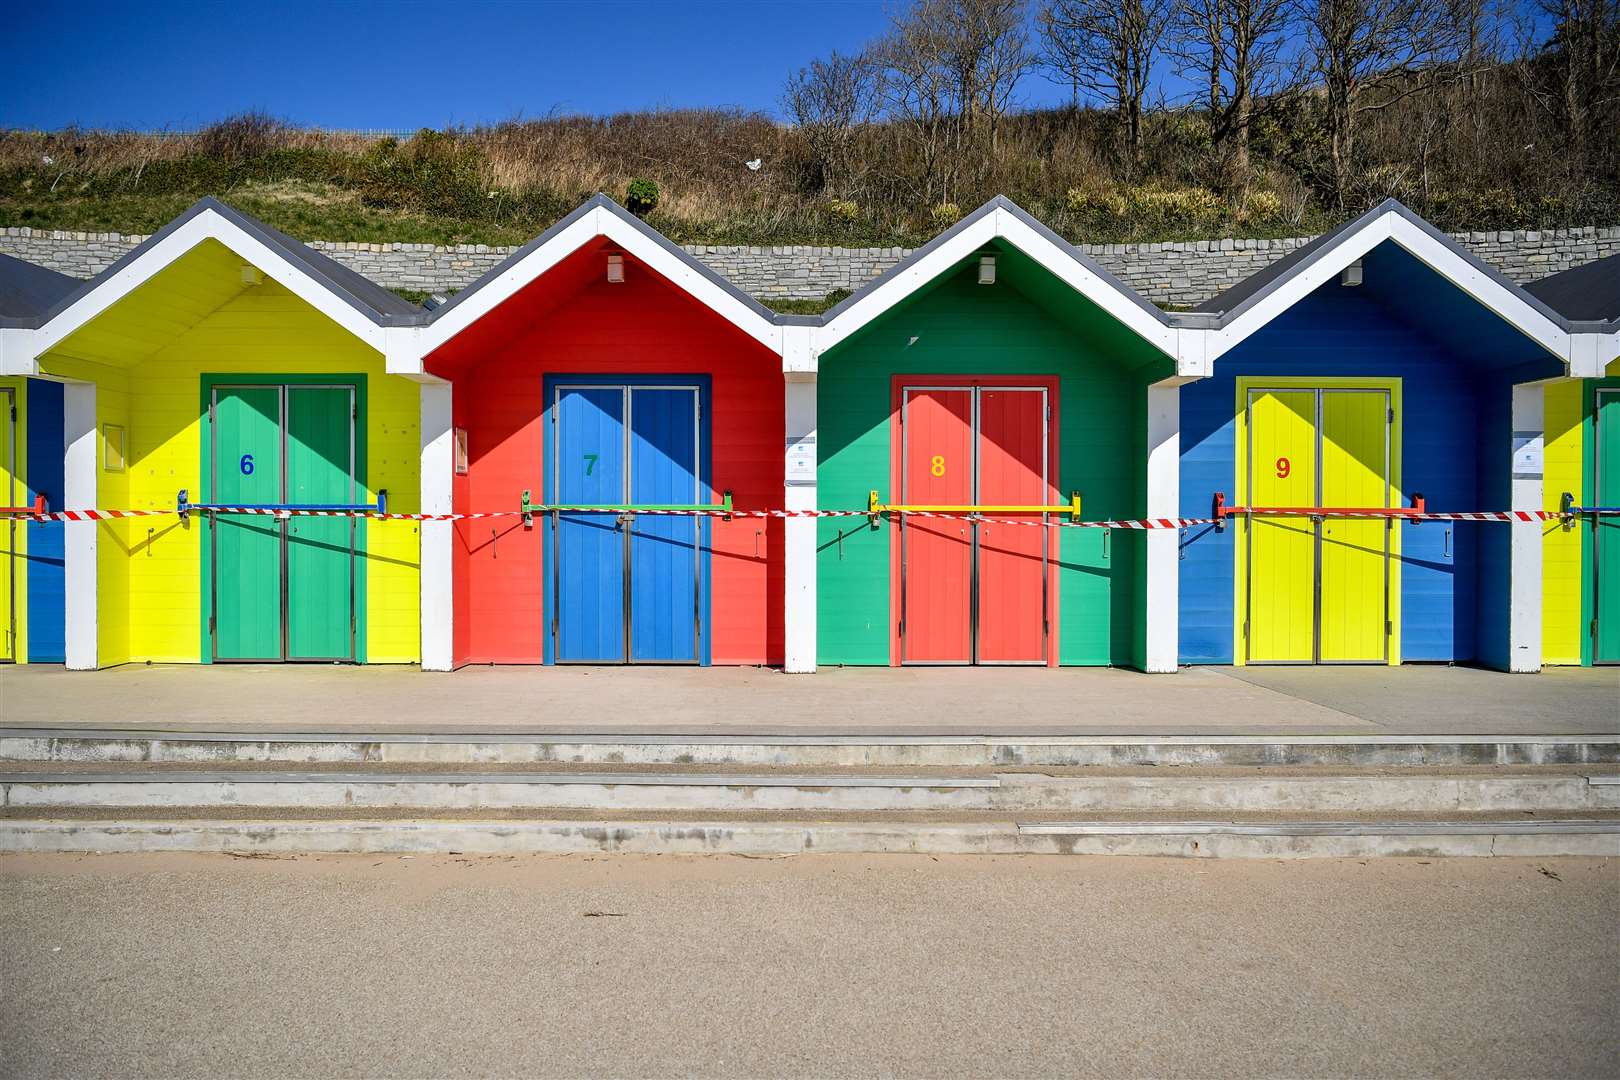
x,y
1415,700
206,966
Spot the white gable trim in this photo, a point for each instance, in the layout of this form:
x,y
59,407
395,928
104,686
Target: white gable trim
x,y
1439,256
602,222
207,225
16,352
1000,224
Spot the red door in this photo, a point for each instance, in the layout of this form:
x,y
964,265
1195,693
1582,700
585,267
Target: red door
x,y
1012,558
936,554
974,593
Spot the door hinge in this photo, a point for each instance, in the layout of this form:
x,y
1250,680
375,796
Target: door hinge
x,y
1391,414
210,625
1389,628
1245,629
354,412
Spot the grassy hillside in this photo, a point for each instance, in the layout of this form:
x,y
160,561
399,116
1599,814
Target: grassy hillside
x,y
505,183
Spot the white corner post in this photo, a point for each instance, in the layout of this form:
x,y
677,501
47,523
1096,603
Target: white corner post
x,y
1524,596
80,577
799,534
1163,608
437,575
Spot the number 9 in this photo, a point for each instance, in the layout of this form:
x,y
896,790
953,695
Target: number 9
x,y
1283,467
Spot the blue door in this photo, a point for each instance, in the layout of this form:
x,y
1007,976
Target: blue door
x,y
588,615
626,587
664,609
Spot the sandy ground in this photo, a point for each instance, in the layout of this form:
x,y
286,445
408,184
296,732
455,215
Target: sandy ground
x,y
848,701
820,965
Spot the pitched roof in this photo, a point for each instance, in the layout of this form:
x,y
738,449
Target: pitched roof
x,y
1234,301
1243,309
599,201
1003,219
600,216
380,305
1590,292
28,291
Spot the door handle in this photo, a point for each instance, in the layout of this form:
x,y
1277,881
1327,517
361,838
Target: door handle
x,y
1448,542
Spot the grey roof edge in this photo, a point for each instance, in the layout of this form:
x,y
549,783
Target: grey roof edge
x,y
28,290
600,201
999,202
378,304
1573,289
1234,302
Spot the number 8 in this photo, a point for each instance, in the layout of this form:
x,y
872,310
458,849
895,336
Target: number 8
x,y
937,466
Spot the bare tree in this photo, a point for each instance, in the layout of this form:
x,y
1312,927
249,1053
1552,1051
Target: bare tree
x,y
950,69
1237,52
828,101
1369,54
1106,49
1575,75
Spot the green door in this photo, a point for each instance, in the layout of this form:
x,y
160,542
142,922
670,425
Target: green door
x,y
284,587
1606,532
320,551
247,549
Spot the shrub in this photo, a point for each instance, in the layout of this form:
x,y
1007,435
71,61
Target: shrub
x,y
641,197
945,215
1259,206
242,137
846,211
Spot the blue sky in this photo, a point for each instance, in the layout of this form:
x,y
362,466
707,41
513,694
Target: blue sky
x,y
408,65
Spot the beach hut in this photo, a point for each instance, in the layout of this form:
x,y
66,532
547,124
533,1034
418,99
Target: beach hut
x,y
598,378
999,377
1581,567
1378,368
223,364
31,600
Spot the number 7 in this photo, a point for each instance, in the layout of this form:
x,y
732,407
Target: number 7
x,y
590,463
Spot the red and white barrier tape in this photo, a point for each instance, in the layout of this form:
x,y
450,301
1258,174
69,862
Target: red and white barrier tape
x,y
1123,523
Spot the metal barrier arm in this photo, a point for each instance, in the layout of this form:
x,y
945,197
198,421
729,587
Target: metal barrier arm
x,y
529,508
1220,511
876,508
184,506
1569,509
36,510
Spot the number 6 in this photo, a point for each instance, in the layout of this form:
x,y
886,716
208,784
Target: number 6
x,y
246,464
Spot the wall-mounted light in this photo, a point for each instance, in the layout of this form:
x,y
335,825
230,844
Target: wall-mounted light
x,y
615,270
1351,276
252,275
987,269
461,455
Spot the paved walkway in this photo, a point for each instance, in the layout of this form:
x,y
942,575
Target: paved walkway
x,y
847,701
181,966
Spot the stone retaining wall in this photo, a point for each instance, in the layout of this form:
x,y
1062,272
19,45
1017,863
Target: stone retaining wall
x,y
1178,274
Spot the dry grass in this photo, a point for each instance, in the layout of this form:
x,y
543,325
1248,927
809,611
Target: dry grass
x,y
504,183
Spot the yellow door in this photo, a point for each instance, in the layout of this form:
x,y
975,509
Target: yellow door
x,y
10,495
1354,552
1282,471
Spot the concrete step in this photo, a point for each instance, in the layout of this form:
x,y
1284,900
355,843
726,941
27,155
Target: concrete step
x,y
1315,789
227,744
244,830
